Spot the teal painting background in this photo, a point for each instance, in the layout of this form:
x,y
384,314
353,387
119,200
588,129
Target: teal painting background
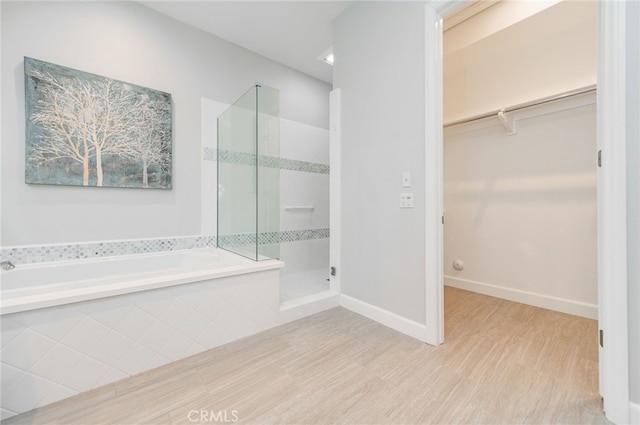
x,y
149,137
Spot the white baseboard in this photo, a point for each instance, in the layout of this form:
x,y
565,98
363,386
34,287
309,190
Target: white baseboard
x,y
384,317
634,413
563,305
306,306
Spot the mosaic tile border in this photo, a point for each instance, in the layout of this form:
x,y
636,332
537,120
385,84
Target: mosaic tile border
x,y
21,255
303,235
308,167
76,251
273,237
231,157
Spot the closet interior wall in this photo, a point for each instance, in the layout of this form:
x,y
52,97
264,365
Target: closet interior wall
x,y
521,208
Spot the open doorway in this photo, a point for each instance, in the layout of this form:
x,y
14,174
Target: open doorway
x,y
519,189
612,299
519,167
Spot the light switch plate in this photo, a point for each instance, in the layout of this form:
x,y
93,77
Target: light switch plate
x,y
406,179
406,200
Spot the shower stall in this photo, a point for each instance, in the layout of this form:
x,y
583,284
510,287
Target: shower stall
x,y
268,186
249,175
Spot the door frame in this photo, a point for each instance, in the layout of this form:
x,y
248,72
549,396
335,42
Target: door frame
x,y
611,187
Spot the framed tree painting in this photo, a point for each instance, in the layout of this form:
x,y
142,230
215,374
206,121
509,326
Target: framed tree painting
x,y
86,130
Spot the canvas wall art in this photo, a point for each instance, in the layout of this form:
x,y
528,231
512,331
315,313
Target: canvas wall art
x,y
86,130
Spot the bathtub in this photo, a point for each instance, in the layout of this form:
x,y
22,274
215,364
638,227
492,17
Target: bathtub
x,y
72,326
42,285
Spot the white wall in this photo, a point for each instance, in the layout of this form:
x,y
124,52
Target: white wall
x,y
633,199
129,42
494,18
306,261
379,68
553,50
211,109
521,209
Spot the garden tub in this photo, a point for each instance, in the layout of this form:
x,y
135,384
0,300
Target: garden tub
x,y
41,285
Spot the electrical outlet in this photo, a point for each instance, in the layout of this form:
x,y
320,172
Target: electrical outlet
x,y
406,200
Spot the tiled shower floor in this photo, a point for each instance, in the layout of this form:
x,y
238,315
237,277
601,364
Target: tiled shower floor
x,y
297,285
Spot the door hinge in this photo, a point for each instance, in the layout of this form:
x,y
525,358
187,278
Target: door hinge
x,y
601,338
600,158
333,271
442,219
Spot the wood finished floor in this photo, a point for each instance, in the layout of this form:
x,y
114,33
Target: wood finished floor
x,y
502,363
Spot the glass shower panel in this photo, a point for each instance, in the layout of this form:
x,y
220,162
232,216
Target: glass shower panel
x,y
249,175
268,172
237,175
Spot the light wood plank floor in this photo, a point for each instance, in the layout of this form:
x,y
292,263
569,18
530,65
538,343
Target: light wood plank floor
x,y
502,363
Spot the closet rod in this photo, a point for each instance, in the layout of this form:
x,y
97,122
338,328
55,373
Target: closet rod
x,y
537,102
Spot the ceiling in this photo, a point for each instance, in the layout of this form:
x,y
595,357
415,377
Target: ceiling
x,y
294,33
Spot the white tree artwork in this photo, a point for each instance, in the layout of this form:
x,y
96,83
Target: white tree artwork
x,y
88,130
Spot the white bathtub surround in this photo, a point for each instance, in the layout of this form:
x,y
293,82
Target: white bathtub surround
x,y
52,353
67,329
55,283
